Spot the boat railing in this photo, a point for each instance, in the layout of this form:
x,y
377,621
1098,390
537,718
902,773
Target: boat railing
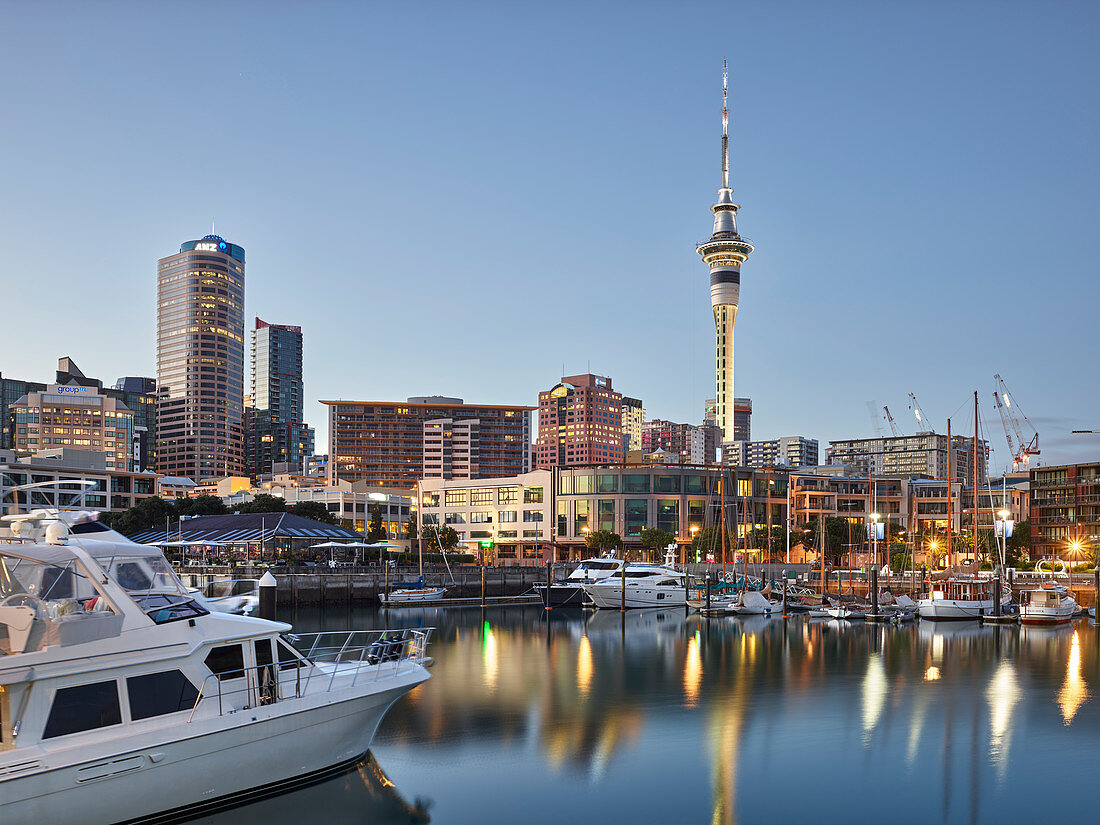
x,y
331,660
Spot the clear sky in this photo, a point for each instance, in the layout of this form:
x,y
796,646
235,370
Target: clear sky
x,y
467,198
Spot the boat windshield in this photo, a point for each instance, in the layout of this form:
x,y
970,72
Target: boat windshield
x,y
54,583
150,581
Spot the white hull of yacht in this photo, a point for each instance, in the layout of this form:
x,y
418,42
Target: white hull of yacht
x,y
1048,616
413,596
211,766
956,609
609,595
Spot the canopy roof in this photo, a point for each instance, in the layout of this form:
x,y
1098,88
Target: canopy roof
x,y
247,527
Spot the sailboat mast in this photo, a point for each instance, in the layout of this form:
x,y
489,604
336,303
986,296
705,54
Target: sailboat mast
x,y
974,462
722,505
950,562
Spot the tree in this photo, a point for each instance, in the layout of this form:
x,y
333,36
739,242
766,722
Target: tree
x,y
263,503
377,531
771,542
204,505
448,538
147,514
655,539
836,537
313,510
1018,545
603,541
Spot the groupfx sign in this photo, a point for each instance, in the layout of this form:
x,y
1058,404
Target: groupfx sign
x,y
69,389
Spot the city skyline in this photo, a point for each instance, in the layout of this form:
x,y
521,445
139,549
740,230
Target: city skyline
x,y
835,171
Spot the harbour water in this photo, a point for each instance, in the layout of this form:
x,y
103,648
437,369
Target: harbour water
x,y
658,717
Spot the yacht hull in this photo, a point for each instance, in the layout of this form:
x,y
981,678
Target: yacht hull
x,y
218,763
955,610
414,596
562,595
610,596
1047,617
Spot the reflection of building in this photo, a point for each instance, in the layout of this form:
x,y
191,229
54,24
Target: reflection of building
x,y
1065,508
909,456
200,360
580,422
788,451
386,443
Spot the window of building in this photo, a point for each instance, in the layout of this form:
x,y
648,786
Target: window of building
x,y
481,518
583,484
455,498
532,515
581,511
666,484
481,497
563,518
605,514
454,518
83,707
508,516
695,484
668,515
636,483
507,495
637,514
607,484
156,694
532,495
697,511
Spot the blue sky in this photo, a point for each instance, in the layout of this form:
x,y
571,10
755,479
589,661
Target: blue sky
x,y
462,198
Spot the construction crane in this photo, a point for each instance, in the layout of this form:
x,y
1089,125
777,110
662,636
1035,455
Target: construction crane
x,y
1020,449
890,421
922,420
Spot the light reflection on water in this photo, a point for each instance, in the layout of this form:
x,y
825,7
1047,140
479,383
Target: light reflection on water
x,y
568,716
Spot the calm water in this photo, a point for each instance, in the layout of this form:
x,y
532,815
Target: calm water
x,y
665,719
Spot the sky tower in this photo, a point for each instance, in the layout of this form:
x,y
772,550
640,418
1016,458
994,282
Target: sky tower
x,y
724,253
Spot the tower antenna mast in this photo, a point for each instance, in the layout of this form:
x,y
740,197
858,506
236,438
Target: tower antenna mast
x,y
725,127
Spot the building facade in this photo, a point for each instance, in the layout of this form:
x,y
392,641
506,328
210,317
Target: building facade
x,y
67,478
580,423
1065,510
687,441
633,416
742,418
80,417
275,432
911,456
200,360
11,390
382,443
788,451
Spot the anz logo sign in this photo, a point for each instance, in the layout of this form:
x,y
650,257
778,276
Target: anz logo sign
x,y
209,246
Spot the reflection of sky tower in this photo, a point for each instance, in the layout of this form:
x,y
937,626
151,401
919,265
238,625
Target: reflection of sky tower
x,y
724,253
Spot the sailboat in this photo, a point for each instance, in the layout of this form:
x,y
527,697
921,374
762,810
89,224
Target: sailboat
x,y
416,592
962,595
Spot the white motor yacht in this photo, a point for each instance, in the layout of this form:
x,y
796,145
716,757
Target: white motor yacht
x,y
1048,606
647,585
123,700
238,596
571,590
960,598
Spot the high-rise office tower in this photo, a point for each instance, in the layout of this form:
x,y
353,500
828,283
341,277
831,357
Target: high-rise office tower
x,y
723,254
275,433
580,422
200,360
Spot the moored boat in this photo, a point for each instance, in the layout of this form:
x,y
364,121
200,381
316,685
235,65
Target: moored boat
x,y
960,598
646,585
570,592
1048,606
126,701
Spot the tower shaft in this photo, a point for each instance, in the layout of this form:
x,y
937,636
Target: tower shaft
x,y
723,254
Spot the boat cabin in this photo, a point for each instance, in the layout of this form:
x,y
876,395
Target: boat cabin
x,y
963,589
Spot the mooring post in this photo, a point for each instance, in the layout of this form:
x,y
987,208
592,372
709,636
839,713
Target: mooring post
x,y
708,593
269,589
874,589
784,594
483,585
996,595
548,584
622,581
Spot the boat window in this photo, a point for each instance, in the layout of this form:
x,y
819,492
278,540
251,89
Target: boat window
x,y
226,662
288,657
166,607
156,694
263,652
83,707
